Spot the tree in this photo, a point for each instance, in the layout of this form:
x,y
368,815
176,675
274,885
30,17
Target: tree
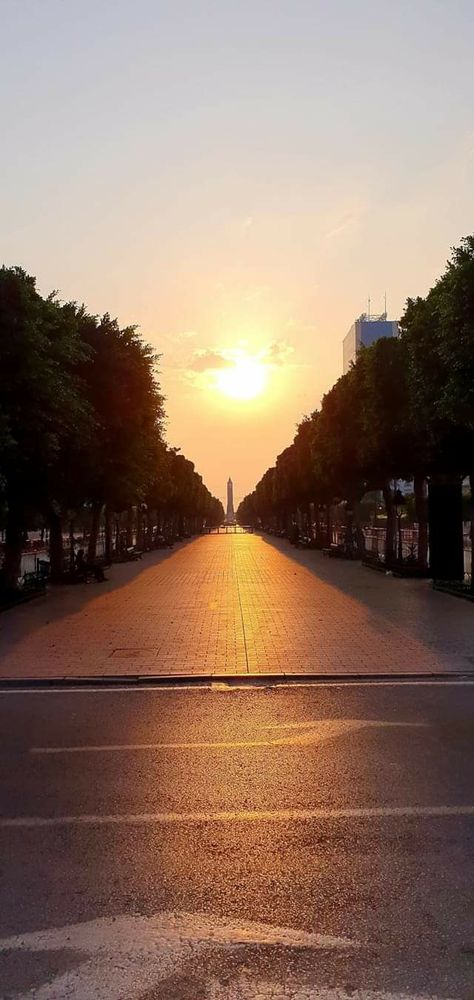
x,y
387,444
122,390
41,406
405,409
438,334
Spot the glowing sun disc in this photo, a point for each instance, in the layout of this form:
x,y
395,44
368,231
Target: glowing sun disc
x,y
246,379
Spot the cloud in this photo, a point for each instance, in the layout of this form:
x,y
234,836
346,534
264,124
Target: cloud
x,y
278,353
208,360
344,223
273,355
187,335
202,367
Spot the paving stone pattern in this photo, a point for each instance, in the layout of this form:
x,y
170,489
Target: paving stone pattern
x,y
238,604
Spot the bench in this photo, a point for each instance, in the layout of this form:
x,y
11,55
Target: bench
x,y
335,551
32,582
130,555
134,553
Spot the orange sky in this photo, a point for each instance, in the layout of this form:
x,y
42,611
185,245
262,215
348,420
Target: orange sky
x,y
237,177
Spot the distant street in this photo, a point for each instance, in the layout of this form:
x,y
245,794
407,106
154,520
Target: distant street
x,y
306,842
238,604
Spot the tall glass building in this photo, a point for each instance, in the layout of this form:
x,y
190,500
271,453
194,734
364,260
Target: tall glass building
x,y
364,332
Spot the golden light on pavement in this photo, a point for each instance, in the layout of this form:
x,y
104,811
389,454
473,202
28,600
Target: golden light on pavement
x,y
244,379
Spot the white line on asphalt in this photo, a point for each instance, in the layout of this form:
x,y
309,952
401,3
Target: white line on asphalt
x,y
308,733
246,816
228,688
106,689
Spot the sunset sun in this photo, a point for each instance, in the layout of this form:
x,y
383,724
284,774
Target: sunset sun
x,y
243,380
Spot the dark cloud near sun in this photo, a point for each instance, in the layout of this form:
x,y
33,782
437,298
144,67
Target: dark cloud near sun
x,y
279,353
208,360
276,354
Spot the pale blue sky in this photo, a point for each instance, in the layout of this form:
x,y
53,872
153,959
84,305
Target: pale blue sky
x,y
227,172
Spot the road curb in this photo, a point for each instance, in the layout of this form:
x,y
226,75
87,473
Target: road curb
x,y
226,680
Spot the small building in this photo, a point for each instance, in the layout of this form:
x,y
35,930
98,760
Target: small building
x,y
364,332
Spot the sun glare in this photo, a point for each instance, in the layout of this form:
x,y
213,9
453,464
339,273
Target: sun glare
x,y
245,379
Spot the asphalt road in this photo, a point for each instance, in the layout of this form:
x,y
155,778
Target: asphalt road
x,y
303,842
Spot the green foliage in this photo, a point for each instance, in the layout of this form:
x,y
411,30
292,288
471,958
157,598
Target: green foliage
x,y
81,419
438,340
41,402
405,409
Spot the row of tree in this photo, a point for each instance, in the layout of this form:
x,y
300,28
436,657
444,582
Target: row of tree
x,y
81,427
405,410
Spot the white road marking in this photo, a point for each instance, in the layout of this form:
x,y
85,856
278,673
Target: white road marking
x,y
300,734
244,816
126,956
249,989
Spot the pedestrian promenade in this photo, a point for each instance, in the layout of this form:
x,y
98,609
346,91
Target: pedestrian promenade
x,y
238,604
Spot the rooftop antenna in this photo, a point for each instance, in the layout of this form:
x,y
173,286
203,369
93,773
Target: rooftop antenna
x,y
368,313
385,305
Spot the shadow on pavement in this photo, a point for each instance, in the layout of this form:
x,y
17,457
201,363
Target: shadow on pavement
x,y
65,600
441,622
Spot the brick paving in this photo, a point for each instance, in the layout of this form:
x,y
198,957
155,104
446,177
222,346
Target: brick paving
x,y
238,604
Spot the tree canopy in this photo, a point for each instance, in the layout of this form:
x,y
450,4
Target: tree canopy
x,y
404,410
81,422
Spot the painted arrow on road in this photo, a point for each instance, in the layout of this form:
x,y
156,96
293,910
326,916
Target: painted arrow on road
x,y
314,732
250,989
127,956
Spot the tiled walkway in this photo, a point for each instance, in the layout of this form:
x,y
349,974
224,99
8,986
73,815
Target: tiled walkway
x,y
238,603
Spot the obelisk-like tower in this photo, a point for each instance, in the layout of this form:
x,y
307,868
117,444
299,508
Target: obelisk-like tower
x,y
230,516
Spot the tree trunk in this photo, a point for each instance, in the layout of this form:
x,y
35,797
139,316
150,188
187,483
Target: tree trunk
x,y
140,529
129,527
471,483
56,556
71,546
13,548
117,536
328,526
349,530
318,532
419,486
92,546
309,520
358,532
108,534
390,527
446,528
150,522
